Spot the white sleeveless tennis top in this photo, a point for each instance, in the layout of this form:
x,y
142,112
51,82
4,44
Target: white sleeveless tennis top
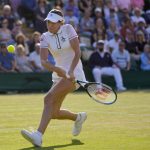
x,y
59,46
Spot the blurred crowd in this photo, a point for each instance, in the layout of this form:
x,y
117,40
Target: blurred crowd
x,y
114,28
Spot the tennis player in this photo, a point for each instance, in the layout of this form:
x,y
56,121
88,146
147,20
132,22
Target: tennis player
x,y
61,40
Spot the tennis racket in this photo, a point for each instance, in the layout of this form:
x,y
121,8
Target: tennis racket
x,y
99,92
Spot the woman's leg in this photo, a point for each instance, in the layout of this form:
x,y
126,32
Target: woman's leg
x,y
52,104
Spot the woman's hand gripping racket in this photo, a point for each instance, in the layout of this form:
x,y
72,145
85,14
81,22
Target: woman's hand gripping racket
x,y
99,92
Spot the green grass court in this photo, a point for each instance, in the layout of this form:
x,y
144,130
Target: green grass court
x,y
124,125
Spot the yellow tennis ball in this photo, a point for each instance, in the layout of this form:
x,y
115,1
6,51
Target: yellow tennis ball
x,y
11,48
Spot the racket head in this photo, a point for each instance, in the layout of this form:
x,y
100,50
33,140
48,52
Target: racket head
x,y
100,92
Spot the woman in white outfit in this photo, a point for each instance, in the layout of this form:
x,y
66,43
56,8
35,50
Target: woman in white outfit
x,y
62,42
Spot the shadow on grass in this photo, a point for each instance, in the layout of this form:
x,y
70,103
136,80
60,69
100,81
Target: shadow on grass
x,y
73,143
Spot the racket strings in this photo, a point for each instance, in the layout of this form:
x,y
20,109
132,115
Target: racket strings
x,y
101,93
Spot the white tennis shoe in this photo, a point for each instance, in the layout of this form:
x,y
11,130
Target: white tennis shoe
x,y
78,123
33,137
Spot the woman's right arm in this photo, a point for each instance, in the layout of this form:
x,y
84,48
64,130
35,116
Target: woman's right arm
x,y
47,65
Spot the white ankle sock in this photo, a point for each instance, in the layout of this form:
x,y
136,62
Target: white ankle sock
x,y
39,133
78,117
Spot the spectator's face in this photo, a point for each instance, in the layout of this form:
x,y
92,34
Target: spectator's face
x,y
37,38
128,23
3,49
87,13
18,25
20,39
100,46
147,49
140,37
141,24
6,11
121,47
129,35
137,12
98,14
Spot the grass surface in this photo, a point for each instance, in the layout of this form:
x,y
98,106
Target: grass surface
x,y
124,125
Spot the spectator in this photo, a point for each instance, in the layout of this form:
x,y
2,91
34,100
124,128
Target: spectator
x,y
148,32
101,64
35,39
51,59
121,57
15,5
130,42
111,30
7,14
131,47
98,14
22,60
127,25
5,33
123,15
140,41
7,60
87,23
108,5
71,19
59,3
147,16
141,26
114,43
113,16
20,39
26,11
84,4
41,12
72,5
145,58
99,31
18,28
35,60
137,16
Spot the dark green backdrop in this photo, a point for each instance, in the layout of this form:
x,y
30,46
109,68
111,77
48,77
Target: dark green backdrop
x,y
35,82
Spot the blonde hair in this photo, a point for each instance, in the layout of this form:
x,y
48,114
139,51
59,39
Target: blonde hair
x,y
19,35
36,33
21,47
142,35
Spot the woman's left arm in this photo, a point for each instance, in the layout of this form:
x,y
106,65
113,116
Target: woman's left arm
x,y
75,46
